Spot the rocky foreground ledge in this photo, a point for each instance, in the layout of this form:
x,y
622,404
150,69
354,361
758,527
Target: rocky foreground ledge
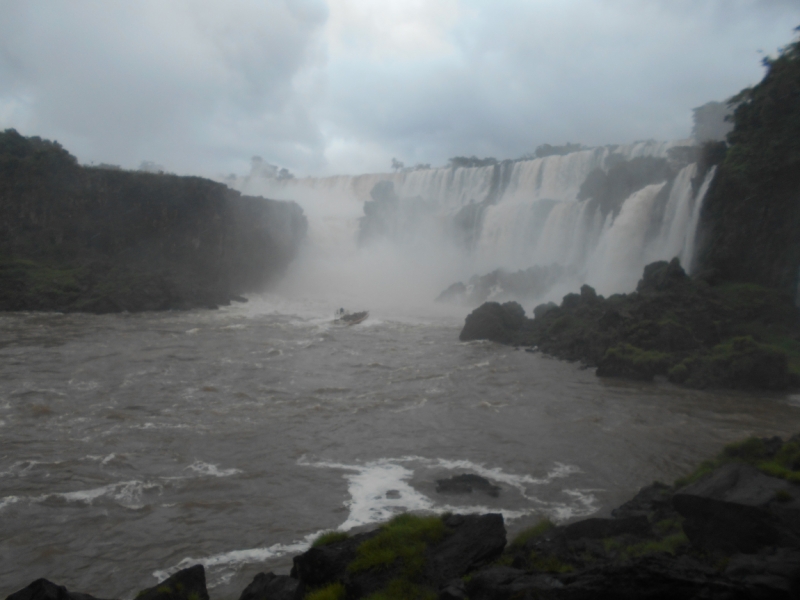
x,y
730,530
697,332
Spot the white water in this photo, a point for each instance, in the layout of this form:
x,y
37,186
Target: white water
x,y
536,220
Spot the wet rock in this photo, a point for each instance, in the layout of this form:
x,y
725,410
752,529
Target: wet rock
x,y
186,584
466,484
493,321
327,564
654,499
505,583
737,508
603,528
662,275
42,589
471,542
474,541
268,586
773,573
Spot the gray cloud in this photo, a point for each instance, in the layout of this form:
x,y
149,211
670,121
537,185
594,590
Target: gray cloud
x,y
201,86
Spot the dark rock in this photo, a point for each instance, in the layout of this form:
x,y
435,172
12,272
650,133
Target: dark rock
x,y
654,499
42,589
734,509
268,586
493,321
471,542
477,540
453,590
506,583
603,528
327,564
772,573
186,584
501,285
662,275
465,484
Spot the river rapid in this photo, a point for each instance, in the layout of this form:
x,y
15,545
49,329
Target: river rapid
x,y
132,445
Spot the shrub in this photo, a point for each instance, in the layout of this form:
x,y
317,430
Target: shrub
x,y
334,591
329,537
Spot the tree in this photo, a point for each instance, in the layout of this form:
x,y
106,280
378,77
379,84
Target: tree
x,y
396,164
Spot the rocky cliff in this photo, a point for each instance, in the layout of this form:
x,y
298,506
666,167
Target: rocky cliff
x,y
750,222
734,335
78,238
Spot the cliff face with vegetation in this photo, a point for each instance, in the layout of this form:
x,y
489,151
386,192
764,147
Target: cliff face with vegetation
x,y
750,221
75,238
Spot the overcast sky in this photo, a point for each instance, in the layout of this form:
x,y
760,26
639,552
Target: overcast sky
x,y
342,86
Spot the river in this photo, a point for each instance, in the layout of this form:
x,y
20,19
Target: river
x,y
135,444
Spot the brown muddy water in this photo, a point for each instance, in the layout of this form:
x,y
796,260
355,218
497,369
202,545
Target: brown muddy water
x,y
134,445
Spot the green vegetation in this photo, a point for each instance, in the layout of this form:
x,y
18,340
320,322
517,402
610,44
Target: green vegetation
x,y
329,537
734,335
670,545
334,591
766,135
785,464
402,589
783,496
532,532
403,539
646,363
548,564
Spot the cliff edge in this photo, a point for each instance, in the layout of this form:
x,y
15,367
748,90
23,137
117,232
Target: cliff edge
x,y
76,238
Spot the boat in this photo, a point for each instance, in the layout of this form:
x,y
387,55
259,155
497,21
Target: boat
x,y
344,317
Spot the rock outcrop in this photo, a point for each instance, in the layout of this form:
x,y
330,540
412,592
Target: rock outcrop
x,y
100,240
727,335
750,220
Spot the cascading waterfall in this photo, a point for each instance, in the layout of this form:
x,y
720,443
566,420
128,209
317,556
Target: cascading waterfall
x,y
524,214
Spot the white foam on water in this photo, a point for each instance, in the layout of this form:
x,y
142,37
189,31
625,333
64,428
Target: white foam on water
x,y
127,494
229,562
8,501
585,504
204,468
379,490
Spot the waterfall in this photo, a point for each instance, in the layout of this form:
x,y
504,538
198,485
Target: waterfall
x,y
520,214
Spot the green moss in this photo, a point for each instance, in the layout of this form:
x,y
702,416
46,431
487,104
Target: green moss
x,y
785,464
164,589
542,527
670,545
405,539
334,591
783,496
548,564
193,596
402,589
329,537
